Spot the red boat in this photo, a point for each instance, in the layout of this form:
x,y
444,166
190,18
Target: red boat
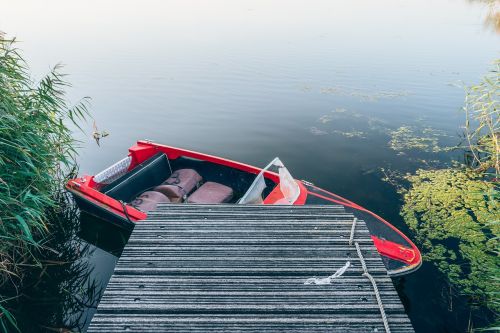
x,y
153,173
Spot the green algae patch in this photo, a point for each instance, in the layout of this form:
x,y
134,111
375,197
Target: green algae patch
x,y
426,139
455,216
351,134
364,95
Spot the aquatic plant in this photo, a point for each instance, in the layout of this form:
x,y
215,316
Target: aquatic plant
x,y
482,127
492,18
411,138
454,212
316,131
348,123
351,134
363,95
455,216
36,152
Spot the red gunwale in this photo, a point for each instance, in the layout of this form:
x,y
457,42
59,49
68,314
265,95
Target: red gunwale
x,y
417,259
86,188
173,153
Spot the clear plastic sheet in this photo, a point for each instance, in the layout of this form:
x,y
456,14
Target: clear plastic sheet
x,y
288,185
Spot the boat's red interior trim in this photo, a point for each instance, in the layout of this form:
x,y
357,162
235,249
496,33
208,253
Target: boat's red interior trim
x,y
342,201
145,149
140,153
80,187
276,195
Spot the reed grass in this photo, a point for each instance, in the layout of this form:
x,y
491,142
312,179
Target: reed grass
x,y
36,151
482,125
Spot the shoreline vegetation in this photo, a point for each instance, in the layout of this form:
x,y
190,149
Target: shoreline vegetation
x,y
38,221
454,212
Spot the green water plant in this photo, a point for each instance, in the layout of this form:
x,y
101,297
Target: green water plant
x,y
36,151
426,139
455,215
455,212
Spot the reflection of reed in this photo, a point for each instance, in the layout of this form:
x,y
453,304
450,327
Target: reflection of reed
x,y
492,19
56,296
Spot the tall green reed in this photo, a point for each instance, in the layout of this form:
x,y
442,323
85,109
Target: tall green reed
x,y
482,126
37,151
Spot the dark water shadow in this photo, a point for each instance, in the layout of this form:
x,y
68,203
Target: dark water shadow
x,y
102,234
55,294
429,291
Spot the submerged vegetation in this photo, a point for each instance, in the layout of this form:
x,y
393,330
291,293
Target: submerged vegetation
x,y
408,138
364,95
36,155
455,212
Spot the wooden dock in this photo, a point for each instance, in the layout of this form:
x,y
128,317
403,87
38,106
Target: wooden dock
x,y
240,268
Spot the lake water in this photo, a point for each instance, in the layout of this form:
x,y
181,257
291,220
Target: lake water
x,y
320,84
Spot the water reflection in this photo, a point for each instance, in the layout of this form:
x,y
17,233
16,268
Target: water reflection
x,y
63,294
492,16
57,296
102,234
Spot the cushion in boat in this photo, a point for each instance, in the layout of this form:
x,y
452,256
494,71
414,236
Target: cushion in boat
x,y
211,193
179,184
149,200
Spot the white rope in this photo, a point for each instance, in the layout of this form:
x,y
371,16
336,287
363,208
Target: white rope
x,y
375,288
353,227
329,280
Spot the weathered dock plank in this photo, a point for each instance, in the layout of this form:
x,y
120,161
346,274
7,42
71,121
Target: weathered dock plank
x,y
239,268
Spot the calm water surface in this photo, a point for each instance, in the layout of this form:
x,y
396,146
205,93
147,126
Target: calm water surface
x,y
320,84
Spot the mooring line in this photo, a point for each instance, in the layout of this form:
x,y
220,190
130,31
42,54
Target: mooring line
x,y
375,288
353,227
125,211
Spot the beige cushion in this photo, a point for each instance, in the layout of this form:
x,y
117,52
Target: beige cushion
x,y
179,184
211,193
149,200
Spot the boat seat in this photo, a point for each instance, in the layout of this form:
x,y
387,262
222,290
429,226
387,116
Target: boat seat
x,y
211,193
179,185
146,175
149,200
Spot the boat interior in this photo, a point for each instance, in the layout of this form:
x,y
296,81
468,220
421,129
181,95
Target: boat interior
x,y
163,180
